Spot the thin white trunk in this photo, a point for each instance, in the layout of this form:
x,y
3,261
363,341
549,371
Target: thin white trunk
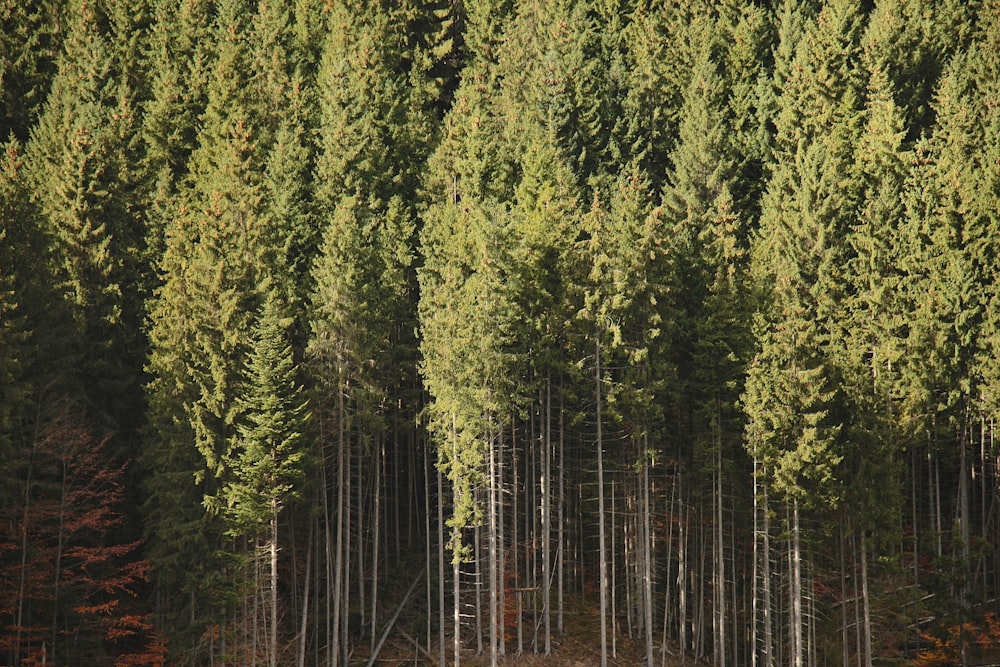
x,y
560,550
304,621
546,520
273,585
796,590
647,548
602,550
376,538
682,578
768,649
867,634
441,580
338,557
720,559
493,547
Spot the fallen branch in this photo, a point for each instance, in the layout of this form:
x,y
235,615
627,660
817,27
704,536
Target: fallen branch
x,y
392,621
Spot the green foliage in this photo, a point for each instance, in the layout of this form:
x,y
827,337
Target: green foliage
x,y
269,458
30,42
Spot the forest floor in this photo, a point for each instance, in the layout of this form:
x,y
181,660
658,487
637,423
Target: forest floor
x,y
578,646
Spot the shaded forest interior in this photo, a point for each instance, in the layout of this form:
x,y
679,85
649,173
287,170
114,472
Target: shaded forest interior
x,y
335,332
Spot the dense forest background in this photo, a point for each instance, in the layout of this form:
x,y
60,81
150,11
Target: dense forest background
x,y
334,325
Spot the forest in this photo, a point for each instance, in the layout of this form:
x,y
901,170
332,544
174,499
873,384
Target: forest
x,y
447,332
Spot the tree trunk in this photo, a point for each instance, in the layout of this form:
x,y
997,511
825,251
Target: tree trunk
x,y
441,579
273,585
493,548
647,548
602,550
796,589
546,523
867,633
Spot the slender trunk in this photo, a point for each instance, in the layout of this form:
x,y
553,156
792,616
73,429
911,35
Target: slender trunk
x,y
501,550
304,621
338,556
456,570
546,527
560,550
516,546
602,550
682,576
613,573
796,589
428,548
720,562
478,585
376,537
670,552
647,547
845,647
495,585
867,633
273,584
766,580
456,606
441,579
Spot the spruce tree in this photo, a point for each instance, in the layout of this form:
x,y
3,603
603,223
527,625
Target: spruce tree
x,y
79,159
794,401
268,460
200,320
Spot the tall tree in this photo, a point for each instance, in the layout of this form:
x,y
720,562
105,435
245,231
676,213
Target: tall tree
x,y
79,160
269,459
794,401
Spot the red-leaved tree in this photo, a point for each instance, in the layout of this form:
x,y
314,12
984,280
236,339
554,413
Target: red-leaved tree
x,y
69,588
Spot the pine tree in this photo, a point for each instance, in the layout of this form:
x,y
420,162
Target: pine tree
x,y
201,319
79,160
793,400
269,459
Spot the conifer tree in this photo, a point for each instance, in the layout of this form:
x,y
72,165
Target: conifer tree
x,y
709,241
794,401
201,318
269,458
873,347
79,160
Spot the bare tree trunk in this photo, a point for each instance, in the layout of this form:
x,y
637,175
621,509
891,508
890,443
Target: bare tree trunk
x,y
682,576
766,579
304,621
613,574
720,559
602,550
456,573
376,535
493,548
845,647
670,552
501,550
796,589
338,562
546,519
647,549
560,550
478,585
273,585
441,579
867,634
